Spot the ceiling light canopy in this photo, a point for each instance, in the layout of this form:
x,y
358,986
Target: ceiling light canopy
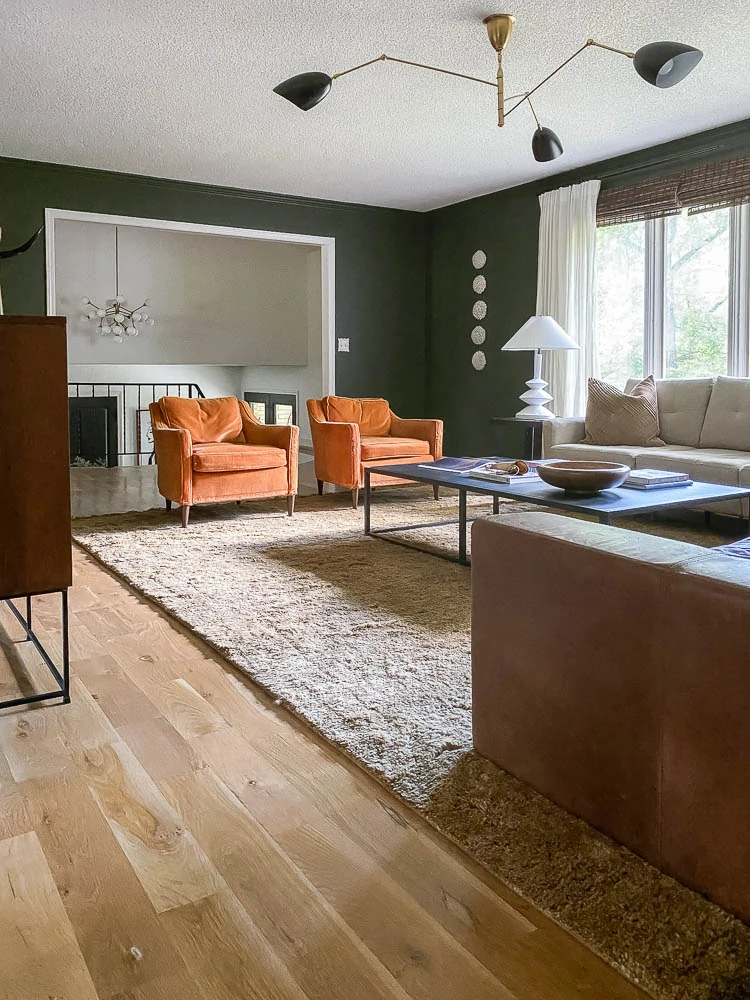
x,y
662,64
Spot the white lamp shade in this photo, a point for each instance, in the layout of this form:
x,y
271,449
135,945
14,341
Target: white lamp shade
x,y
540,333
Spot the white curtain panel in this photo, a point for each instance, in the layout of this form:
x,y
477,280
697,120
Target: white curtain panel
x,y
566,290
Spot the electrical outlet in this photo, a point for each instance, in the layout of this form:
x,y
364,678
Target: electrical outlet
x,y
343,344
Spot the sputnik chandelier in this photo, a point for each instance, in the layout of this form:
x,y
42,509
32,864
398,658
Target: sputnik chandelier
x,y
662,64
115,319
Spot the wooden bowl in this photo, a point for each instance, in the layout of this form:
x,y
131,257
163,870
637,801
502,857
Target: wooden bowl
x,y
583,479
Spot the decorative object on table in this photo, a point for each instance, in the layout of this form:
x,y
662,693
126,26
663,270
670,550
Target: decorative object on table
x,y
21,248
478,335
116,319
478,361
614,417
662,64
583,479
656,479
516,471
479,259
540,333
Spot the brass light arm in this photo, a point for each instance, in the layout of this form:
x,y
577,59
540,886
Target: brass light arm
x,y
609,48
587,44
408,62
434,69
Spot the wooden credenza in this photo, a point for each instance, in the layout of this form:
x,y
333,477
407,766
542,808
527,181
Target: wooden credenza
x,y
35,545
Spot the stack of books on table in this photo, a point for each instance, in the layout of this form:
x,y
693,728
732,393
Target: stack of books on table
x,y
656,479
498,470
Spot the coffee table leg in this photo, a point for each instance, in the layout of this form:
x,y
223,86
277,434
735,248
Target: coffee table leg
x,y
496,505
462,526
605,519
367,501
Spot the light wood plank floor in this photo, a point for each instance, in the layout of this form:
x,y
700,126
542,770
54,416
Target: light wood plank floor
x,y
173,835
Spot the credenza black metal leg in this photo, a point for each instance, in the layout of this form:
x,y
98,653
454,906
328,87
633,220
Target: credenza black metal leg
x,y
462,526
65,649
62,678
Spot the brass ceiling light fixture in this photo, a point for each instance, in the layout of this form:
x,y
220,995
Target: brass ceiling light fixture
x,y
662,64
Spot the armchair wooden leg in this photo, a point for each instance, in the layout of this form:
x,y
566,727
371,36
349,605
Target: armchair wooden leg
x,y
167,504
436,491
320,487
290,504
185,511
355,498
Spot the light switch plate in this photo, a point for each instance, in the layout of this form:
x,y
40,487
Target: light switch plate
x,y
343,343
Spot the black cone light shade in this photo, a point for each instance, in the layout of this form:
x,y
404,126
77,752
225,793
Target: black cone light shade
x,y
546,145
664,64
305,90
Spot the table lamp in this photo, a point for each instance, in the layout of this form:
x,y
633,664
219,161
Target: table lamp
x,y
540,333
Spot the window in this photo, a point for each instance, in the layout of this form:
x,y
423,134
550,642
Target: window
x,y
273,407
672,296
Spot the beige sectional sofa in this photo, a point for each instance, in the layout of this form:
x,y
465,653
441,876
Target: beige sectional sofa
x,y
705,426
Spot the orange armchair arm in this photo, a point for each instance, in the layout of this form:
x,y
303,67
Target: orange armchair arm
x,y
284,436
337,452
423,430
174,463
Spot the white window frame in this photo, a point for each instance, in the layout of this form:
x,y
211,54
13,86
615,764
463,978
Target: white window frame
x,y
738,332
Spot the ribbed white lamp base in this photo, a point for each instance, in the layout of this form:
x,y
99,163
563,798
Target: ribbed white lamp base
x,y
536,397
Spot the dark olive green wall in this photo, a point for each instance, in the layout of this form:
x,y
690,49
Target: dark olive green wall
x,y
381,259
403,279
505,225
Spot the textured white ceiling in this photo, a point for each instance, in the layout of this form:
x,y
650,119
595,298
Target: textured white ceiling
x,y
183,89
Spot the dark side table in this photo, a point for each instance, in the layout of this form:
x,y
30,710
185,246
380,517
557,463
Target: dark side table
x,y
532,436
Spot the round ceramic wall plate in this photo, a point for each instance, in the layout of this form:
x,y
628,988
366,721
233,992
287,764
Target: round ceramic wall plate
x,y
478,360
478,335
479,259
479,309
479,284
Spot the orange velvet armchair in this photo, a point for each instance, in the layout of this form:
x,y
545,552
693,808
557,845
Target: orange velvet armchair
x,y
350,434
210,450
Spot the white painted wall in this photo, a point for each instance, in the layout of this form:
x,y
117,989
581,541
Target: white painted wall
x,y
306,381
216,300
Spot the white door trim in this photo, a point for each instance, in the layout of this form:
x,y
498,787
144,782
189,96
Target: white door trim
x,y
326,244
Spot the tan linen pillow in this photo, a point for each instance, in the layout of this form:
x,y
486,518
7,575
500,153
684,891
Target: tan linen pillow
x,y
616,417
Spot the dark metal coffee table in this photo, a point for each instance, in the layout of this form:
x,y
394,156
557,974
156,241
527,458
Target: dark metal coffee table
x,y
606,506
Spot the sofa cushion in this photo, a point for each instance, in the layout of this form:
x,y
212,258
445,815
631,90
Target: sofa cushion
x,y
205,419
372,415
727,423
616,417
682,406
392,447
236,457
592,453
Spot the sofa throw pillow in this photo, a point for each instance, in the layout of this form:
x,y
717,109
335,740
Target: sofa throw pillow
x,y
616,417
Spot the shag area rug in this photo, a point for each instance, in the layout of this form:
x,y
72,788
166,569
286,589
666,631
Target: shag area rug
x,y
369,643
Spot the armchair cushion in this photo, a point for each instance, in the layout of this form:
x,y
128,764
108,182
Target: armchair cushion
x,y
205,419
392,447
372,415
226,457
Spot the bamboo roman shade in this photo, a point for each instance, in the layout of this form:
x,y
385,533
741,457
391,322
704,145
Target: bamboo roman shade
x,y
697,189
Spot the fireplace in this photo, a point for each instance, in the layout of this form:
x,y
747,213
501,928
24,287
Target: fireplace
x,y
93,430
